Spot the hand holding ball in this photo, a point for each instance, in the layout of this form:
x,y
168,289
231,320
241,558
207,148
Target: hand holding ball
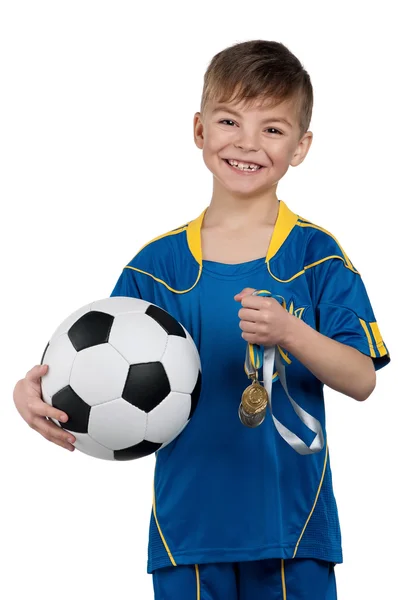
x,y
127,374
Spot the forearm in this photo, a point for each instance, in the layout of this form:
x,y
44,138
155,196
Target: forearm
x,y
341,367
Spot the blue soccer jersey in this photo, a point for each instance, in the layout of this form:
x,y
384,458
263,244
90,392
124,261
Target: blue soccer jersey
x,y
224,492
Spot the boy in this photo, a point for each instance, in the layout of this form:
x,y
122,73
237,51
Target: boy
x,y
245,513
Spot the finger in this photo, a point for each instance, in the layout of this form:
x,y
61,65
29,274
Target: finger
x,y
248,327
256,302
62,443
248,314
36,373
243,293
42,409
251,338
53,433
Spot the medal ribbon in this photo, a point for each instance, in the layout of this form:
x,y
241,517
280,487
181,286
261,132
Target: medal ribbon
x,y
266,357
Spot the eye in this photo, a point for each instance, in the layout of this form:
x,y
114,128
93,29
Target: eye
x,y
273,130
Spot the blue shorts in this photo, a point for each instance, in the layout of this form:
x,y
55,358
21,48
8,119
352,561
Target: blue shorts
x,y
273,579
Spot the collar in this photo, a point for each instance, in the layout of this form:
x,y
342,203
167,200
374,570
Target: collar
x,y
285,222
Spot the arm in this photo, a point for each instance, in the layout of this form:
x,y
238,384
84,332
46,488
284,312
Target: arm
x,y
337,365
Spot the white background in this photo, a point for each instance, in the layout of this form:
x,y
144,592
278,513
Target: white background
x,y
97,158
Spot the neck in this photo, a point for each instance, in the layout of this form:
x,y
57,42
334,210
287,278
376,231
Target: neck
x,y
233,212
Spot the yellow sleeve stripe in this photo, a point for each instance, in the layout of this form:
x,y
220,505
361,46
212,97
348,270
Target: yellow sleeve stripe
x,y
377,348
378,339
367,333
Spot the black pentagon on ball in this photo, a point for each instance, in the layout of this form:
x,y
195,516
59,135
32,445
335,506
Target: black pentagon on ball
x,y
146,385
195,394
91,329
77,410
138,451
165,320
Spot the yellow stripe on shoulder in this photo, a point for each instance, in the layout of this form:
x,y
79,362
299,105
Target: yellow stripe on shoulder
x,y
347,261
163,282
159,237
157,279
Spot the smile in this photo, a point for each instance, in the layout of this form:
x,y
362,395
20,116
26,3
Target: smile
x,y
245,170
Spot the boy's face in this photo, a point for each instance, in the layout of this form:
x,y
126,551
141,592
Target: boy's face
x,y
269,137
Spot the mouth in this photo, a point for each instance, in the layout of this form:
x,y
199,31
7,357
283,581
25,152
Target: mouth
x,y
246,170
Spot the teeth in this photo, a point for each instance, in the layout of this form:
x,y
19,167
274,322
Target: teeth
x,y
243,166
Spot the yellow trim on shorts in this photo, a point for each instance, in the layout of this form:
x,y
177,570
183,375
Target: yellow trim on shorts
x,y
284,597
316,500
197,582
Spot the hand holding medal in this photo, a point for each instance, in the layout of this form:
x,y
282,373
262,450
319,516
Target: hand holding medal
x,y
266,322
263,321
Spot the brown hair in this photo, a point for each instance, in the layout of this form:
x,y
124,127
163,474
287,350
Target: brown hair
x,y
259,70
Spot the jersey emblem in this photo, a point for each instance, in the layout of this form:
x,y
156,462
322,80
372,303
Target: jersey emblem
x,y
297,312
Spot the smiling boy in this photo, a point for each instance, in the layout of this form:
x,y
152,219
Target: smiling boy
x,y
247,513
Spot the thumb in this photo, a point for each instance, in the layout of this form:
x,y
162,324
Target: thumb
x,y
37,372
244,292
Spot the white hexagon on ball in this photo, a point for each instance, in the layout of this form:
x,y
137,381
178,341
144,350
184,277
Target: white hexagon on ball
x,y
86,444
99,374
120,305
60,356
138,338
117,424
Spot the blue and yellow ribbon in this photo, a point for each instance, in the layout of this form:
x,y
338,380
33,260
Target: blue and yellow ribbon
x,y
271,359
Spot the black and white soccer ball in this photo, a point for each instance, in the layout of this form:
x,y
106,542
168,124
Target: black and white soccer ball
x,y
127,374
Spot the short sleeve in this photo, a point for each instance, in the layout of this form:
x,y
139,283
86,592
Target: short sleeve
x,y
344,312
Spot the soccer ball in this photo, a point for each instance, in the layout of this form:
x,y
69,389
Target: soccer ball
x,y
127,374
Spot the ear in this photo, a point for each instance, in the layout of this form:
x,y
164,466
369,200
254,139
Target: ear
x,y
198,130
302,149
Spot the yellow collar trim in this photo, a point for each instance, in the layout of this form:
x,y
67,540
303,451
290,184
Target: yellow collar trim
x,y
285,222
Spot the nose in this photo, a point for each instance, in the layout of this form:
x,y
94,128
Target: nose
x,y
247,142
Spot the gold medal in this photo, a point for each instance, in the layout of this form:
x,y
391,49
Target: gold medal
x,y
254,398
253,404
